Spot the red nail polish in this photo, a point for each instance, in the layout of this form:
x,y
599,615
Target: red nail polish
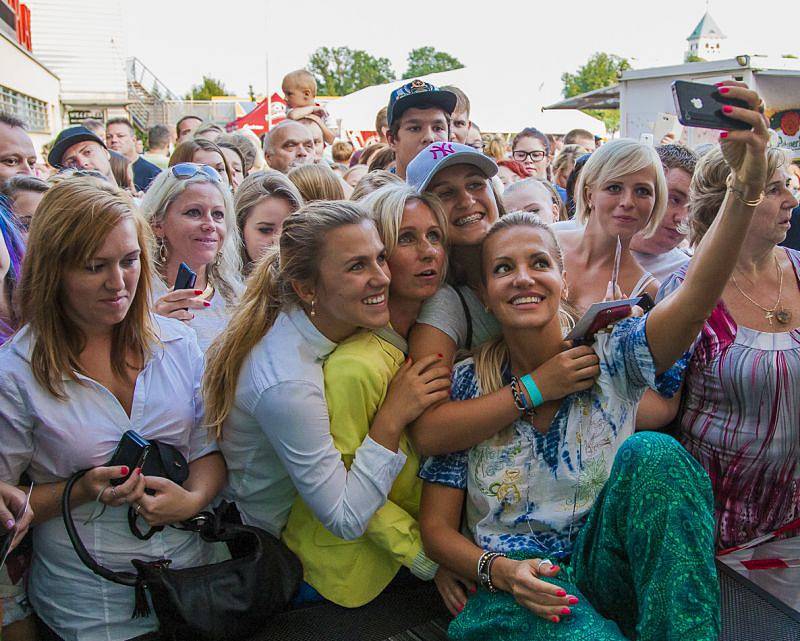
x,y
723,134
573,600
206,303
726,109
561,593
554,619
138,470
724,89
440,355
566,611
197,292
473,589
717,84
124,470
555,569
461,607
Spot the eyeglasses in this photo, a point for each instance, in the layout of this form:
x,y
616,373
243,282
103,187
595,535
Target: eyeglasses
x,y
186,170
535,156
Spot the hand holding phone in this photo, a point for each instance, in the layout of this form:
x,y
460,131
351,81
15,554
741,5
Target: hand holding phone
x,y
702,105
599,316
185,279
14,500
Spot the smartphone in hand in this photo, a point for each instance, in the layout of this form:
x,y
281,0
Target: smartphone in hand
x,y
700,105
132,451
186,278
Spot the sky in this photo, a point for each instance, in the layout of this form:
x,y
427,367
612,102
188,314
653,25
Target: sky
x,y
524,39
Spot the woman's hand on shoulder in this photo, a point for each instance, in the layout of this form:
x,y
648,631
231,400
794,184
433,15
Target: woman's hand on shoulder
x,y
745,151
415,387
529,588
177,304
572,370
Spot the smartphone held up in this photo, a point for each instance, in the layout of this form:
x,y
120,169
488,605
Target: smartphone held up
x,y
701,105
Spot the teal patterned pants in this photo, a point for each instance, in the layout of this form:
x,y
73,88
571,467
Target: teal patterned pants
x,y
643,564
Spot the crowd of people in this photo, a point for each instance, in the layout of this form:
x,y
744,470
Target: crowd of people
x,y
370,362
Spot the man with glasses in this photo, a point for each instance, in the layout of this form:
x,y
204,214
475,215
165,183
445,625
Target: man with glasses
x,y
289,145
78,148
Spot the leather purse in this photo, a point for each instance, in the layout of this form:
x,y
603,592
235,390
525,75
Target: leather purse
x,y
225,601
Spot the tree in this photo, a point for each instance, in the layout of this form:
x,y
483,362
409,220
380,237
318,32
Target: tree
x,y
425,60
207,89
601,70
789,55
341,70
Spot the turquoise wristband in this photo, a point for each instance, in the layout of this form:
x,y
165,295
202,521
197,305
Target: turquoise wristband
x,y
536,396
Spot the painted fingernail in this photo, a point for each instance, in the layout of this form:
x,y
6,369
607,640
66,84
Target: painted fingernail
x,y
440,355
138,470
197,292
9,524
460,607
723,134
555,568
554,619
726,109
718,84
566,611
206,303
725,90
124,470
473,589
573,600
561,593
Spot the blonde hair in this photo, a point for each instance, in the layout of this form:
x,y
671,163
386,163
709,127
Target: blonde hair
x,y
317,182
568,154
708,187
300,78
224,273
493,357
387,205
563,214
614,160
269,290
71,224
494,146
255,188
373,181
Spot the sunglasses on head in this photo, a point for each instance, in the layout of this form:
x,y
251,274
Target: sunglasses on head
x,y
186,170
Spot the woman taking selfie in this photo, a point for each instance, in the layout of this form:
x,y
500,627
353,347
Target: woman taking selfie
x,y
739,415
90,362
191,213
358,375
567,484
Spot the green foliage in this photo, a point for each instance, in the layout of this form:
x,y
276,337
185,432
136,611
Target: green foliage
x,y
789,55
341,70
207,89
693,57
425,60
601,70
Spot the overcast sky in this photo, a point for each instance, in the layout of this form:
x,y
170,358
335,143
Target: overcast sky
x,y
535,40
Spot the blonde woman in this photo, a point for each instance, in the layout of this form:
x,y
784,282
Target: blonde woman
x,y
564,163
262,203
373,181
90,362
317,182
358,375
264,387
190,210
620,192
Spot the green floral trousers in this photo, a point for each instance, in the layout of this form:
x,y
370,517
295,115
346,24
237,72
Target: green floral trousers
x,y
643,564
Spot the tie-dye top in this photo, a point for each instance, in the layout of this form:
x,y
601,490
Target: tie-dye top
x,y
741,420
528,491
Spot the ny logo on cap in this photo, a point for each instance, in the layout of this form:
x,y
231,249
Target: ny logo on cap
x,y
444,148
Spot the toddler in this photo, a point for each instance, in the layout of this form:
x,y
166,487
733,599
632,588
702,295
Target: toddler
x,y
300,90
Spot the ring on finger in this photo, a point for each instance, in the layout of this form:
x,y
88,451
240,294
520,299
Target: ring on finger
x,y
762,107
541,563
138,507
113,491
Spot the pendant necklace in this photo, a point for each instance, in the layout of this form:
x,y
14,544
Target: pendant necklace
x,y
783,316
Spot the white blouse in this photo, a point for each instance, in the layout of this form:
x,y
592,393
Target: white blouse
x,y
277,440
52,439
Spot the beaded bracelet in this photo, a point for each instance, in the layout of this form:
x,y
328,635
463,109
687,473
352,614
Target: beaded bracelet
x,y
484,569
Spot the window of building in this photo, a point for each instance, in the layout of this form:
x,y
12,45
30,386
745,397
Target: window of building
x,y
31,110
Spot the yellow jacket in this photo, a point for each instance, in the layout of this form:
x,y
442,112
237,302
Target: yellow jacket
x,y
352,573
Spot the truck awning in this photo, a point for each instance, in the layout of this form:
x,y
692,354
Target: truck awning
x,y
603,98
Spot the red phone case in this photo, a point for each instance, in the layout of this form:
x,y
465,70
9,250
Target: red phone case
x,y
607,317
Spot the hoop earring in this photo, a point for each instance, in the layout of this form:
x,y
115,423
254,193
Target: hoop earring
x,y
162,250
313,311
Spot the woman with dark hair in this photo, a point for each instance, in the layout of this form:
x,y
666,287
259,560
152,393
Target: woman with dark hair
x,y
531,148
235,159
202,152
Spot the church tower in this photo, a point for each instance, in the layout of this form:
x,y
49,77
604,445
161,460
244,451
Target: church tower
x,y
705,40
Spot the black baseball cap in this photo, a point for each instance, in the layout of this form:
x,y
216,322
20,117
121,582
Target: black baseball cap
x,y
68,137
415,93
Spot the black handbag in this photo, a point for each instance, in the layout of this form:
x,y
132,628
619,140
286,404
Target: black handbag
x,y
224,601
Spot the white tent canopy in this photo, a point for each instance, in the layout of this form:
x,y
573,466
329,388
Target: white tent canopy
x,y
491,109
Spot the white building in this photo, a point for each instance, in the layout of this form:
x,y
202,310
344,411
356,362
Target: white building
x,y
705,40
83,41
28,88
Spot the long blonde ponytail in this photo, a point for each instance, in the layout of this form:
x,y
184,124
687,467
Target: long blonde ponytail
x,y
269,290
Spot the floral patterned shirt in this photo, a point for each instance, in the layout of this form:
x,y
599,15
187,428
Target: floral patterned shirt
x,y
530,492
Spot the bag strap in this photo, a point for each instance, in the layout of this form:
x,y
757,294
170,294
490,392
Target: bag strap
x,y
123,578
468,316
393,338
